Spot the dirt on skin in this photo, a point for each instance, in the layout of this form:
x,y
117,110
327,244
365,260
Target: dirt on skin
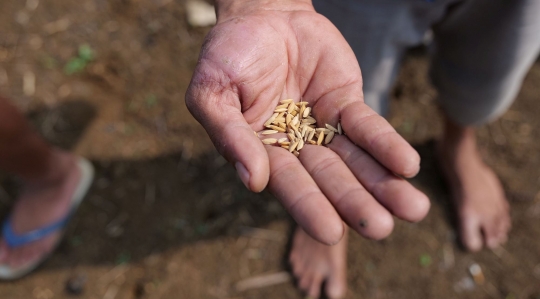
x,y
167,217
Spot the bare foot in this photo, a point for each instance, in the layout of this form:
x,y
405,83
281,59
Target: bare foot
x,y
42,203
482,208
314,263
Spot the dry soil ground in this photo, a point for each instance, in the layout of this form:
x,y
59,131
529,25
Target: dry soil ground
x,y
168,218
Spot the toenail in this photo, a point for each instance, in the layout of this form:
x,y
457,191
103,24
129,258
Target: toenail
x,y
364,223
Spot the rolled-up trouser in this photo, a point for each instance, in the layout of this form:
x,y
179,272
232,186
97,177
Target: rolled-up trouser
x,y
481,51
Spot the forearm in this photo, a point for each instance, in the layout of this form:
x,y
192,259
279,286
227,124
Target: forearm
x,y
231,8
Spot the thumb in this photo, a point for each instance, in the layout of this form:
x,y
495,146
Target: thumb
x,y
218,110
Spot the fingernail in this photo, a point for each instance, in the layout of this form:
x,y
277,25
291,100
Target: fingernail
x,y
243,173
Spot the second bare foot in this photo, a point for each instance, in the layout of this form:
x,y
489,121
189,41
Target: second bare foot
x,y
314,263
483,211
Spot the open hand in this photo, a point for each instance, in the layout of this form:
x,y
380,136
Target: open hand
x,y
256,56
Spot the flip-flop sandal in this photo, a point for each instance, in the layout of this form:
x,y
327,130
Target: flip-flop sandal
x,y
13,240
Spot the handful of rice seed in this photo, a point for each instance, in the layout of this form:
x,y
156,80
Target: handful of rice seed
x,y
296,121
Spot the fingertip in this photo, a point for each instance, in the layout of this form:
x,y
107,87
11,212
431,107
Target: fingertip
x,y
374,134
329,233
420,208
260,177
258,187
411,165
243,173
402,199
251,161
397,155
385,230
255,180
333,234
376,228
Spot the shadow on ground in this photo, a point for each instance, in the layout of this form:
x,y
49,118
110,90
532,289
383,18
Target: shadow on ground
x,y
138,208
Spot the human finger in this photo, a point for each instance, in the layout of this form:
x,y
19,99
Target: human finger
x,y
302,198
370,131
352,201
219,113
394,193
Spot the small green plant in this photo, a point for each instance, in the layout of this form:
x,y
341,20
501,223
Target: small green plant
x,y
77,64
123,258
86,53
425,260
151,100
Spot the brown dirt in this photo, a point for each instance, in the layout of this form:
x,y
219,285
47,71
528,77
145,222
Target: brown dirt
x,y
168,218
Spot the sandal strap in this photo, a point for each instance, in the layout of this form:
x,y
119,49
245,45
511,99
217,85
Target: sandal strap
x,y
13,240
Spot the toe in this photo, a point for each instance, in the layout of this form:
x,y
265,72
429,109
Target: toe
x,y
336,286
297,269
503,234
505,223
490,233
335,289
503,239
503,228
470,233
304,283
496,230
315,287
492,240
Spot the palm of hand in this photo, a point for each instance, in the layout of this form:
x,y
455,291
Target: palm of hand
x,y
247,66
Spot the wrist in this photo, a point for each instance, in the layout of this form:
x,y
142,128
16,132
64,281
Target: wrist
x,y
226,9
